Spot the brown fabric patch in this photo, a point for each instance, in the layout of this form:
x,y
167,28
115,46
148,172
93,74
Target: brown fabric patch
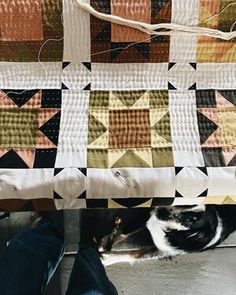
x,y
112,43
21,21
139,10
15,205
129,128
12,205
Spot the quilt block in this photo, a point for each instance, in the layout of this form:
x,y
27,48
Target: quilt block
x,y
119,44
129,128
26,26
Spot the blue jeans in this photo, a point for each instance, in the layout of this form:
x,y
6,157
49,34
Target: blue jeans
x,y
29,261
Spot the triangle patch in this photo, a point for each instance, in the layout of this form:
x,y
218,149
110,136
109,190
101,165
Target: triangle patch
x,y
83,170
170,65
57,171
203,169
223,102
65,64
56,196
95,128
204,132
232,161
128,202
12,160
129,98
178,195
203,194
20,97
28,156
193,65
87,87
230,95
228,201
193,87
130,159
63,86
171,87
161,127
49,128
178,169
87,65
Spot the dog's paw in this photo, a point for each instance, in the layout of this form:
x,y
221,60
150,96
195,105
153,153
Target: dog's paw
x,y
110,258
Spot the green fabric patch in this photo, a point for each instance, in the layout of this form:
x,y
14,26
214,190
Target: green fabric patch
x,y
18,128
99,99
162,127
97,158
130,159
227,16
162,157
95,128
129,98
158,99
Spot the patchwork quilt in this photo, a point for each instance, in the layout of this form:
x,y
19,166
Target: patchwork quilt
x,y
96,114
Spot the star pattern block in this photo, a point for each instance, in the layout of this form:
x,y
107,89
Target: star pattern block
x,y
216,114
29,127
129,129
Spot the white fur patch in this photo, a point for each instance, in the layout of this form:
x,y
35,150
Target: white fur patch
x,y
198,208
157,230
218,233
110,259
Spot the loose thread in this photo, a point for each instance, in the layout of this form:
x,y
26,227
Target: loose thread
x,y
219,13
123,48
151,29
167,29
39,61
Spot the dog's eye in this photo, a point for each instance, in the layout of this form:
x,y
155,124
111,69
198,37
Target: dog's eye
x,y
189,219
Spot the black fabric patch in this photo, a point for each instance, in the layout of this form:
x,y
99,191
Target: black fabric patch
x,y
45,158
51,128
213,157
12,160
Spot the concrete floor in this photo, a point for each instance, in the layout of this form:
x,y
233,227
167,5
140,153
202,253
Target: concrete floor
x,y
210,272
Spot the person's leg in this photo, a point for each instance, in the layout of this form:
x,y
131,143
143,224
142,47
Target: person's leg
x,y
29,261
88,276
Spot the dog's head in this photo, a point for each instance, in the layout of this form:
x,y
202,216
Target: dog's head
x,y
176,230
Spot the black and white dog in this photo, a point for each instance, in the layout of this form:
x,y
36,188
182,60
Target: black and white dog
x,y
161,232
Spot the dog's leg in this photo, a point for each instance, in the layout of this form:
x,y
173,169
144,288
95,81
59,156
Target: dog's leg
x,y
117,257
133,256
